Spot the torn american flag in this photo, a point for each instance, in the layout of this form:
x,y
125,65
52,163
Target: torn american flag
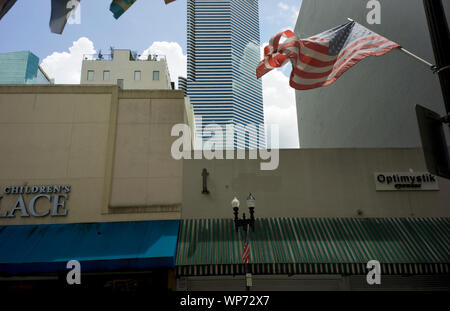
x,y
320,60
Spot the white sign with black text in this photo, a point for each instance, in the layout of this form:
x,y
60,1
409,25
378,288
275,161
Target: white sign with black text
x,y
415,181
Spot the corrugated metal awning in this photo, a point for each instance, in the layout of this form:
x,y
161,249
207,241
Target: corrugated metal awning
x,y
316,246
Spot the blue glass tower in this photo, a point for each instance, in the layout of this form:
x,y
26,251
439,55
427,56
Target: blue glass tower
x,y
222,56
21,68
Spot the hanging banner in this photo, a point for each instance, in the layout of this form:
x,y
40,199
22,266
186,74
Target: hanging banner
x,y
5,6
61,11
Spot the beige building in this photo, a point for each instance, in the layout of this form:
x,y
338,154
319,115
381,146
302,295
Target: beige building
x,y
86,173
315,183
126,70
111,146
321,216
88,170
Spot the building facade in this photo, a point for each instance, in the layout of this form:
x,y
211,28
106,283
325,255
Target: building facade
x,y
87,175
222,54
22,68
321,216
372,104
126,70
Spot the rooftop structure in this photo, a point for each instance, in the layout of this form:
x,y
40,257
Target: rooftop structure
x,y
128,70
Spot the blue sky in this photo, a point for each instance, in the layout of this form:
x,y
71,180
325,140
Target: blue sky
x,y
25,27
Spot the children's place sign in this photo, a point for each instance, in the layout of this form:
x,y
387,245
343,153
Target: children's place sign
x,y
34,201
416,181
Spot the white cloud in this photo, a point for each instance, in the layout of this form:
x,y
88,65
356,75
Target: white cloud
x,y
291,13
283,6
279,105
176,60
65,67
280,108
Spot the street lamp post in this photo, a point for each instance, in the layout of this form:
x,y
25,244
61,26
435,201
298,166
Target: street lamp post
x,y
245,223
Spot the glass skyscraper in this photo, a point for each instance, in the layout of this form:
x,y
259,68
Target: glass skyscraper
x,y
22,68
222,56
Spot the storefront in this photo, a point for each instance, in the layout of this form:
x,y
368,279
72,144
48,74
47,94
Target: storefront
x,y
114,256
84,173
321,216
87,174
315,254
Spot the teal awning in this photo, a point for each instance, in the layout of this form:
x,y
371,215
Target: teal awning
x,y
98,246
316,246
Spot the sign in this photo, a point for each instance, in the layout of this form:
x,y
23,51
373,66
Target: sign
x,y
416,181
45,200
434,143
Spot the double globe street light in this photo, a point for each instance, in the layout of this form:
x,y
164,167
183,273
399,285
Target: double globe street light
x,y
245,223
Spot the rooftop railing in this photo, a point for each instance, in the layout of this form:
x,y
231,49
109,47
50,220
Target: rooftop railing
x,y
138,57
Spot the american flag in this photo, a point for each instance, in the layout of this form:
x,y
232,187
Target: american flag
x,y
320,60
246,251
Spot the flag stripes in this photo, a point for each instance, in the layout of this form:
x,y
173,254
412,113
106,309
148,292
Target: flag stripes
x,y
246,251
322,59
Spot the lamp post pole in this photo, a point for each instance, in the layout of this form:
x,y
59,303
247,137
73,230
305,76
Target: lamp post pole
x,y
246,224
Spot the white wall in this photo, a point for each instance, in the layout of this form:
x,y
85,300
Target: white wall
x,y
312,183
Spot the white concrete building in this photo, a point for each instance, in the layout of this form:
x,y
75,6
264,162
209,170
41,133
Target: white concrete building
x,y
129,72
372,104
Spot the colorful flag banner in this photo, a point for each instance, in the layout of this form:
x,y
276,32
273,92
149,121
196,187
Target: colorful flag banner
x,y
5,5
61,11
321,59
246,251
118,7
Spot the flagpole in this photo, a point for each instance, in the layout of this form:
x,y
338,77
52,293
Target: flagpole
x,y
246,265
246,224
431,66
421,60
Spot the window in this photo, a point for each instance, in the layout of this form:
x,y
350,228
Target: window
x,y
106,75
137,75
155,75
120,83
90,75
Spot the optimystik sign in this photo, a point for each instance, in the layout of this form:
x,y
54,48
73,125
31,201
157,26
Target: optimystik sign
x,y
412,181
